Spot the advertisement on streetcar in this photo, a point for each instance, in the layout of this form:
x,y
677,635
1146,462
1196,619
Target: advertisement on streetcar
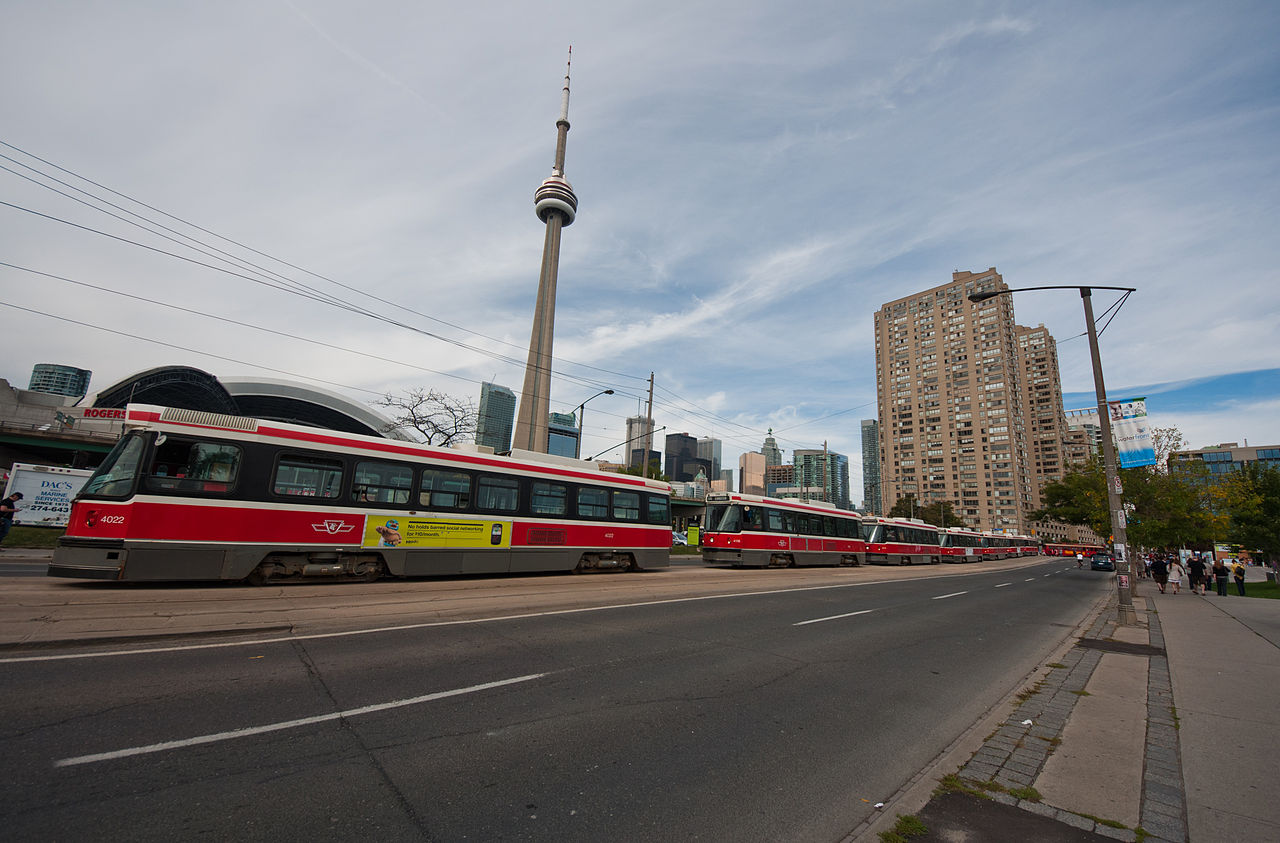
x,y
401,531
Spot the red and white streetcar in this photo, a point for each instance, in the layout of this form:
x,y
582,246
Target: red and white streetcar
x,y
754,531
188,495
901,541
961,545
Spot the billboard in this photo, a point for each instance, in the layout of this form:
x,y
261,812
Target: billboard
x,y
1132,432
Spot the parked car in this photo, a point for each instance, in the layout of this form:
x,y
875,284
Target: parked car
x,y
1102,562
679,539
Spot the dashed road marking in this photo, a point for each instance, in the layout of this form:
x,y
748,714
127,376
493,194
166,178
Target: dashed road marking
x,y
287,724
834,617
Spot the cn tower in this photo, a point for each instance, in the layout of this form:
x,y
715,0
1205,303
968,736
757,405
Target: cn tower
x,y
556,205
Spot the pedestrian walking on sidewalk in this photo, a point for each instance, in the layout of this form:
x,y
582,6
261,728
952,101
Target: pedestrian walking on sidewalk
x,y
8,508
1220,575
1160,572
1175,575
1195,568
1238,572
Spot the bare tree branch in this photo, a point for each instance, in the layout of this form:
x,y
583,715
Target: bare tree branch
x,y
437,417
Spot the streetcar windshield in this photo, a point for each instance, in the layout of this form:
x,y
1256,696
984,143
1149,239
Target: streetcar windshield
x,y
115,476
723,519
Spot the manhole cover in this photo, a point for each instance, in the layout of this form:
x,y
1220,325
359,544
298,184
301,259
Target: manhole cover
x,y
1120,647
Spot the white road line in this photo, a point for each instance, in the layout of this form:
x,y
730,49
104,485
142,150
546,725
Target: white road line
x,y
258,642
834,617
1003,584
1030,579
953,594
288,724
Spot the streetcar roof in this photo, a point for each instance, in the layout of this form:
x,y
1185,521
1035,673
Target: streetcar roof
x,y
170,419
764,500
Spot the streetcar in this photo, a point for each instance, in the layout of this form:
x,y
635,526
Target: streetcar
x,y
961,545
901,541
1072,548
188,495
755,531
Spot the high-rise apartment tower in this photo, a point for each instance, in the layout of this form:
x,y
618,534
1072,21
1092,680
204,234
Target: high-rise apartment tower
x,y
952,388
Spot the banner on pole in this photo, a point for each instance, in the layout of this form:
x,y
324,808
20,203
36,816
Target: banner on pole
x,y
1132,433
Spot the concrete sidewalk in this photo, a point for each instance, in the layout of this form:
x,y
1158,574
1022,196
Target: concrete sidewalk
x,y
1168,726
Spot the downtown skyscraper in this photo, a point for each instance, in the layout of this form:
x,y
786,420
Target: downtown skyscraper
x,y
495,417
966,398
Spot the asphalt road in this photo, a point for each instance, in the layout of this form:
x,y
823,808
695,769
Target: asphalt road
x,y
781,711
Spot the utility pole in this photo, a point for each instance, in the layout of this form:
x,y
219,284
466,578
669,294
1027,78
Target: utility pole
x,y
648,439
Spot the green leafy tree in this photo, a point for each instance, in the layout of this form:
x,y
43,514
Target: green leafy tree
x,y
906,507
1080,497
1163,507
1252,499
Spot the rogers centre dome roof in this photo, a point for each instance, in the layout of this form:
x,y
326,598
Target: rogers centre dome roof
x,y
189,388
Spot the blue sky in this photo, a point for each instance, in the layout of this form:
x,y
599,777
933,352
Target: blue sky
x,y
755,180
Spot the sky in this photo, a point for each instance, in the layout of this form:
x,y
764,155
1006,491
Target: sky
x,y
754,179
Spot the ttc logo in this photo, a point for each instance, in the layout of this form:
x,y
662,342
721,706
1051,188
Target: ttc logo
x,y
333,527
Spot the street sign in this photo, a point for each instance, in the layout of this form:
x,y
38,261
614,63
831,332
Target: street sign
x,y
1122,581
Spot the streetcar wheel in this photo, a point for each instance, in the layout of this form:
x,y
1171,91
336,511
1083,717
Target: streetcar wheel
x,y
260,575
372,572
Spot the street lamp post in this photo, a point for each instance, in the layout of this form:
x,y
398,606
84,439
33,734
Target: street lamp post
x,y
1124,579
582,426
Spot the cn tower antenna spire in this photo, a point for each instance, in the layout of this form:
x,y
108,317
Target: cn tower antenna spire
x,y
556,205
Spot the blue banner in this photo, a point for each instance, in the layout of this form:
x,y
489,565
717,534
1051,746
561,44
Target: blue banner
x,y
1132,433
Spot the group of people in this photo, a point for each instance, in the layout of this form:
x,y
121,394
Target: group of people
x,y
1168,571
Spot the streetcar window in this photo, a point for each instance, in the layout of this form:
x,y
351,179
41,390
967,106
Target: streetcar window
x,y
788,522
848,528
381,482
659,510
497,494
593,503
301,475
549,499
445,489
828,526
752,518
626,506
773,520
725,519
114,477
185,465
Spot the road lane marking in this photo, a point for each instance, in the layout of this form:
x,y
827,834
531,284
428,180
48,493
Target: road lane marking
x,y
287,724
259,642
953,594
1030,579
1003,584
834,617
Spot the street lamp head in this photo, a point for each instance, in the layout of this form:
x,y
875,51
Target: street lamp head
x,y
990,294
608,392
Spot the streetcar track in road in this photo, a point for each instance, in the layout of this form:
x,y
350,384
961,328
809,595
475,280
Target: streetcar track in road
x,y
249,731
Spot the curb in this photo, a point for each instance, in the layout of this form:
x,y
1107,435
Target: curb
x,y
918,790
150,638
1016,754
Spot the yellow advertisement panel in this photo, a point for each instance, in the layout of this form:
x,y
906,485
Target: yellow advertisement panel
x,y
402,531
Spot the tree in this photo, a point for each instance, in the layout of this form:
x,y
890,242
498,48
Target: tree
x,y
1252,497
436,417
906,507
1164,506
